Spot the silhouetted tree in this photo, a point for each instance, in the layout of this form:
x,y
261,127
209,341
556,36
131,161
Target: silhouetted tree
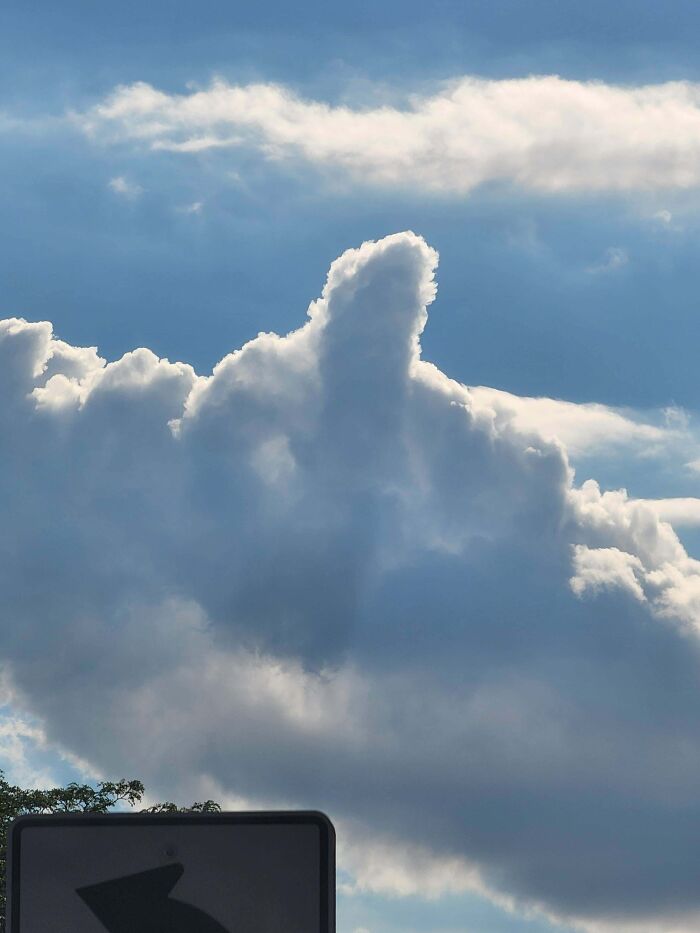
x,y
74,798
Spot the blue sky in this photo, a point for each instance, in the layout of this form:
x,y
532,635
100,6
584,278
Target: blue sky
x,y
403,598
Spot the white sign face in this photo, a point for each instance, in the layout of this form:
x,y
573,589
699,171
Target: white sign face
x,y
172,873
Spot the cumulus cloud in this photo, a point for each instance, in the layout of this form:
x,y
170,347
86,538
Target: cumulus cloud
x,y
542,132
329,575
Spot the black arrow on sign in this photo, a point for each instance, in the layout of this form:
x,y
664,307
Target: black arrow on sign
x,y
140,904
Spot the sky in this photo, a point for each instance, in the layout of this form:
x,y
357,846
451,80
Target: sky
x,y
350,434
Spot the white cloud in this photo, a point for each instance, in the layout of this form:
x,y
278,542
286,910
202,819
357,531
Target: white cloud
x,y
194,208
606,568
541,132
328,575
380,867
615,258
128,189
17,738
583,429
681,512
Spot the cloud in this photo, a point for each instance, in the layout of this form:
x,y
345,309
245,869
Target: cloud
x,y
664,217
584,429
328,575
615,258
682,511
194,208
27,758
542,132
128,189
17,737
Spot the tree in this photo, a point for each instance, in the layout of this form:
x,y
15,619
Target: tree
x,y
74,798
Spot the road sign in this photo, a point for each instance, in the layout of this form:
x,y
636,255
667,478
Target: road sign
x,y
172,873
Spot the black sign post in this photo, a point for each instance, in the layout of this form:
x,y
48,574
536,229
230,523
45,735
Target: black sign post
x,y
172,873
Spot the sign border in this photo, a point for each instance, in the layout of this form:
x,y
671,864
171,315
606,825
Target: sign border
x,y
264,817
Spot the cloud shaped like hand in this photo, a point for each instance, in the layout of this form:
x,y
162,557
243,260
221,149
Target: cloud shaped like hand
x,y
329,575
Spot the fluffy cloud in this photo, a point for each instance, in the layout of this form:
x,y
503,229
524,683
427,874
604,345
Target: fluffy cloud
x,y
679,512
329,575
544,133
587,429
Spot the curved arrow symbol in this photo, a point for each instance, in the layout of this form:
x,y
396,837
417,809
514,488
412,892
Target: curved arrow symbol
x,y
140,904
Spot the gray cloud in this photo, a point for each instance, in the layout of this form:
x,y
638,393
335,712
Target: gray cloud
x,y
329,575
